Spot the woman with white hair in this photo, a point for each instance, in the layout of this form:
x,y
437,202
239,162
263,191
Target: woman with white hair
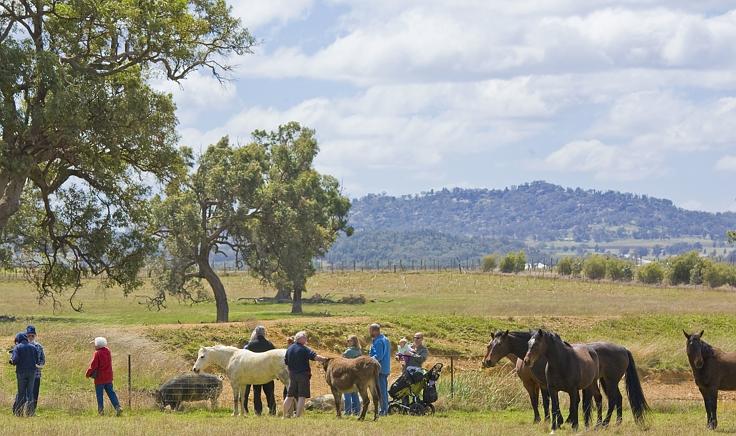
x,y
100,369
258,344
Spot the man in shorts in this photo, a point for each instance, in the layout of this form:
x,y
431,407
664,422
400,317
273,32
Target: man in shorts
x,y
297,360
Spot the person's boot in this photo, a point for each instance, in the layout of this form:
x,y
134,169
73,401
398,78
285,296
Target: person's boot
x,y
119,411
100,412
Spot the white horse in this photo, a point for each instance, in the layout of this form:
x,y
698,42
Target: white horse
x,y
244,367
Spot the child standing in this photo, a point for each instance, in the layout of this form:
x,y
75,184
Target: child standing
x,y
100,369
352,399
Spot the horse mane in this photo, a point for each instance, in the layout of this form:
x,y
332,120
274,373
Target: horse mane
x,y
556,337
707,350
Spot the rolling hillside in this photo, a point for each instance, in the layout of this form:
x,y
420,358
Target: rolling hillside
x,y
461,223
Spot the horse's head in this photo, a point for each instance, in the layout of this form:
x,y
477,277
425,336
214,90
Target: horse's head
x,y
538,344
203,359
158,397
497,348
326,363
695,348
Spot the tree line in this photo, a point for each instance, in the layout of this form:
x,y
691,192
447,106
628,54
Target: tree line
x,y
93,183
684,269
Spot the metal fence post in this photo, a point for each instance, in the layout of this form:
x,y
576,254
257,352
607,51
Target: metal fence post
x,y
130,384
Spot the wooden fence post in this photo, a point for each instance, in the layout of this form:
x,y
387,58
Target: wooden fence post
x,y
452,377
130,384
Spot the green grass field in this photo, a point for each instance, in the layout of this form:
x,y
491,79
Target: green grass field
x,y
456,311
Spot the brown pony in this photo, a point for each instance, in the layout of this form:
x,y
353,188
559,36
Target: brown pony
x,y
713,370
570,368
350,375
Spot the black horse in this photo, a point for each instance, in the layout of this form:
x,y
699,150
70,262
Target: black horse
x,y
570,368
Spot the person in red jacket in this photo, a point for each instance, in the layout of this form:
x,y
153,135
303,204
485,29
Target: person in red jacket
x,y
100,369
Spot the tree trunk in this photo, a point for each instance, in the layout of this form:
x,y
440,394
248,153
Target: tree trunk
x,y
11,188
217,288
296,303
283,294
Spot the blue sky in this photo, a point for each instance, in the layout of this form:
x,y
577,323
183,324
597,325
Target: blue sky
x,y
406,96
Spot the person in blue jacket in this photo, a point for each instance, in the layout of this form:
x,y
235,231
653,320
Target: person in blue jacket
x,y
33,340
381,351
25,358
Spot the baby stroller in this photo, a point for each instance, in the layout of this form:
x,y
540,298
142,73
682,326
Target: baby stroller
x,y
414,392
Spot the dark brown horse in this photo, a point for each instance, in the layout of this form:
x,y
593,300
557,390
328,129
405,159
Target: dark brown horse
x,y
615,361
713,370
570,368
514,345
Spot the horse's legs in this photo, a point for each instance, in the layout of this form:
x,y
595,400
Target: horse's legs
x,y
533,389
710,397
598,402
555,403
338,399
236,398
611,401
587,404
619,404
363,391
574,405
545,403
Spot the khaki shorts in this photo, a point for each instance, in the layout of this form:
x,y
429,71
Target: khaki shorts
x,y
299,385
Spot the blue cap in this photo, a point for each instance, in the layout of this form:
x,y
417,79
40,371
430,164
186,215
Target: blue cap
x,y
20,337
31,330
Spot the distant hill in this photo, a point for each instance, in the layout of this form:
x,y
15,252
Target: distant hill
x,y
470,221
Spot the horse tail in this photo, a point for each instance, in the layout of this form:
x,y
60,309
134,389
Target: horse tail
x,y
638,403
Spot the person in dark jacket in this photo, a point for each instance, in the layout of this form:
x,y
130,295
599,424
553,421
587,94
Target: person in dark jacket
x,y
32,339
100,369
259,344
25,358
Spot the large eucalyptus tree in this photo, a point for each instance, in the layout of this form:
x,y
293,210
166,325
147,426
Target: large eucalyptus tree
x,y
82,134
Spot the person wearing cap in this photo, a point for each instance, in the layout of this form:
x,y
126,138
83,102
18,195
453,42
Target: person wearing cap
x,y
24,357
33,340
100,369
381,351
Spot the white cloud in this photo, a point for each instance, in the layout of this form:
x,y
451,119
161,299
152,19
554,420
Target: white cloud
x,y
428,41
255,14
726,163
604,161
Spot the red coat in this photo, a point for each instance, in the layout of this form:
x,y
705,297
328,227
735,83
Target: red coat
x,y
101,366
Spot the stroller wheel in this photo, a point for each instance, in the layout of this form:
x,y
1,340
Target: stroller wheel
x,y
417,409
429,409
396,409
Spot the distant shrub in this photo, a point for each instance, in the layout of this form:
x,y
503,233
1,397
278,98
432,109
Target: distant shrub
x,y
697,273
594,267
719,274
513,262
651,273
489,263
681,266
619,269
565,265
520,262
